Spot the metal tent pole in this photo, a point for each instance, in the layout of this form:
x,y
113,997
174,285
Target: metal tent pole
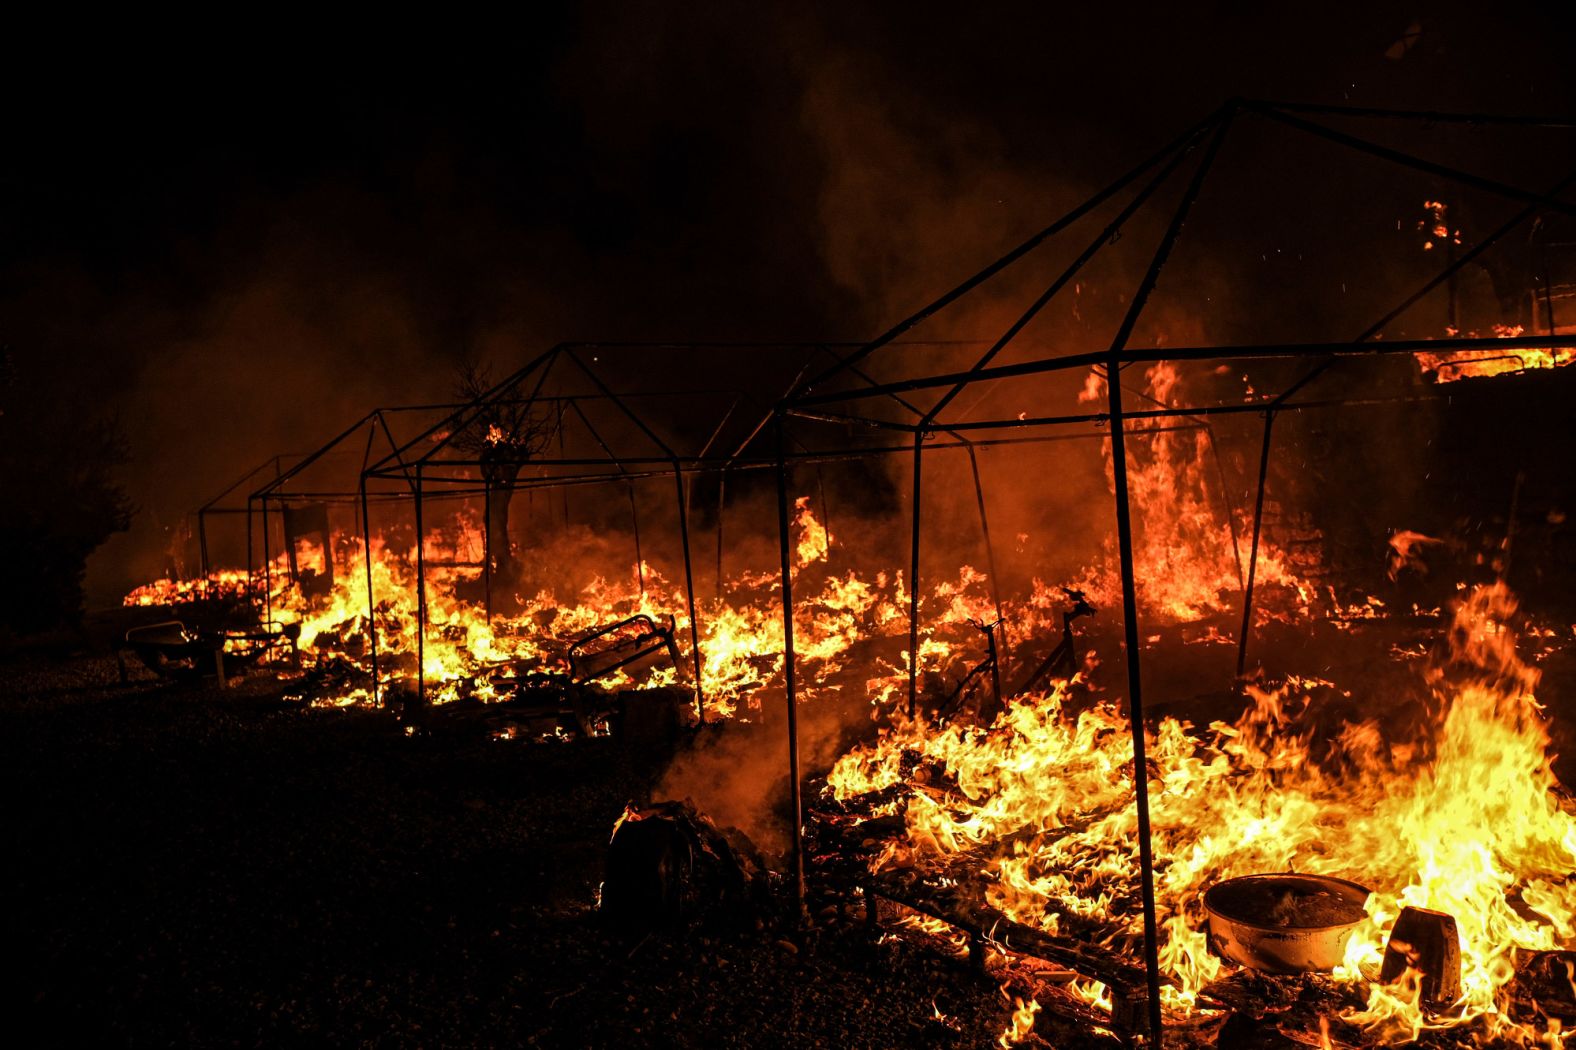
x,y
722,482
1124,533
990,548
487,547
1135,702
1253,549
689,594
1008,259
372,620
640,559
251,580
268,575
421,596
788,669
202,543
913,584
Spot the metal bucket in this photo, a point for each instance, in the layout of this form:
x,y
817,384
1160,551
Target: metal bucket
x,y
1244,932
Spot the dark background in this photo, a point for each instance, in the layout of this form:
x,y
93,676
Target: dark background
x,y
236,238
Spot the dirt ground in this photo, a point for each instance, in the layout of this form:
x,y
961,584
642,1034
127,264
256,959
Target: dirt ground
x,y
193,867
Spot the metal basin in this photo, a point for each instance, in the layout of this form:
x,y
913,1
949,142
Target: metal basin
x,y
1283,923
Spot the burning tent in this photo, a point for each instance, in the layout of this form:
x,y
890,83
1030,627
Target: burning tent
x,y
1425,860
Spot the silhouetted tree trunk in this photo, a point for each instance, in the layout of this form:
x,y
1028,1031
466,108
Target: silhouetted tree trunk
x,y
504,434
500,478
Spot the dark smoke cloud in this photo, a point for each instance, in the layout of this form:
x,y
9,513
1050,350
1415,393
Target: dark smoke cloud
x,y
237,251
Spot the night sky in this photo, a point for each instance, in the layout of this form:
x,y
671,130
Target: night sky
x,y
236,239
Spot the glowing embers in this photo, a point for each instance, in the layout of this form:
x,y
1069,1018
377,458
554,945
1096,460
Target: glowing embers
x,y
1452,808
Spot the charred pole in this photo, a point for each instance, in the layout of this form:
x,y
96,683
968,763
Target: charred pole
x,y
913,581
1124,533
788,668
372,622
1253,550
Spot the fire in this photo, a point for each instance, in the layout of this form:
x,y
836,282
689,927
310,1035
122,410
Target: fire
x,y
1022,1024
1449,366
1463,816
1185,552
741,633
814,541
1186,557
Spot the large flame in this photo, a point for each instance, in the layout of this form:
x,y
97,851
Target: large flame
x,y
1185,547
1462,815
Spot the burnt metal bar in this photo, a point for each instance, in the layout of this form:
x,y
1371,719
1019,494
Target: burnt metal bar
x,y
274,485
689,595
396,452
722,482
487,548
990,548
1456,265
1407,160
1135,704
1231,507
1106,236
622,407
372,619
862,421
913,582
1253,552
268,575
1239,352
202,544
678,474
421,595
769,463
559,408
456,421
1422,116
826,511
596,435
788,670
251,583
211,508
1011,257
372,437
1548,293
1124,532
640,559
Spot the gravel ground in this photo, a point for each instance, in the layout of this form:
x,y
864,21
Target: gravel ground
x,y
194,867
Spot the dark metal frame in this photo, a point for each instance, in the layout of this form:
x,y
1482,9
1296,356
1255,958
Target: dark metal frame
x,y
437,465
811,401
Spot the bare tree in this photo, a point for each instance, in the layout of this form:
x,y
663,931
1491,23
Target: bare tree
x,y
503,436
62,500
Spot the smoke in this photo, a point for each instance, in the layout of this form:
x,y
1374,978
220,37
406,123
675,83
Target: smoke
x,y
238,271
738,773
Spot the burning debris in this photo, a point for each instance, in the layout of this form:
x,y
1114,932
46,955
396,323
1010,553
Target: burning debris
x,y
669,865
1033,817
1333,863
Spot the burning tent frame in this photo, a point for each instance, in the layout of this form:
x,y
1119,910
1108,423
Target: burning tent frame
x,y
220,507
302,495
444,467
438,467
820,399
